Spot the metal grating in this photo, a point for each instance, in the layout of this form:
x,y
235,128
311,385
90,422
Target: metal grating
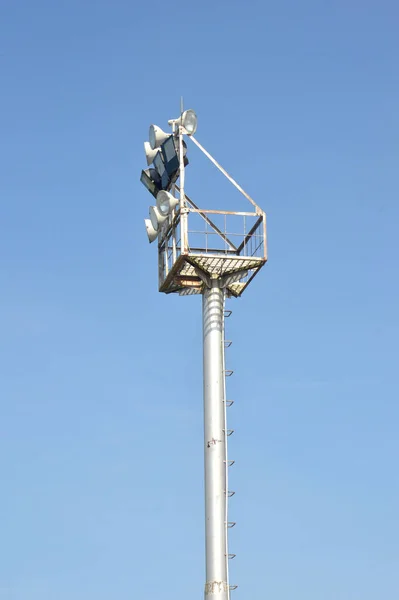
x,y
221,265
184,279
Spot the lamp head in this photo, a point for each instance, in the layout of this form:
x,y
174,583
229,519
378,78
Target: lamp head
x,y
156,217
156,136
151,232
150,154
188,120
151,179
166,203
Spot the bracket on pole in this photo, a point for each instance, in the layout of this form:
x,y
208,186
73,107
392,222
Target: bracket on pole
x,y
203,276
228,432
233,277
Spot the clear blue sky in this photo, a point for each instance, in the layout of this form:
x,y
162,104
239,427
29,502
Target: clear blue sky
x,y
100,376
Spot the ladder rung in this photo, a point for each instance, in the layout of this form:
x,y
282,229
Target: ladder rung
x,y
227,343
228,432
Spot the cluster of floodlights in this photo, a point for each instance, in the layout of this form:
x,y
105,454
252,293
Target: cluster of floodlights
x,y
162,154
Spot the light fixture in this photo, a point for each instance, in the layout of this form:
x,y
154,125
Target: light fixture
x,y
157,218
150,153
157,136
166,203
170,155
188,120
151,179
162,171
151,232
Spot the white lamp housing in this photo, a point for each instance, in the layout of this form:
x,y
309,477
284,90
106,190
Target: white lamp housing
x,y
166,203
150,153
157,218
157,136
188,120
151,232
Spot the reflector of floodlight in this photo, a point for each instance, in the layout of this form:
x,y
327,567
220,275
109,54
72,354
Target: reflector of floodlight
x,y
156,217
162,171
150,153
189,121
170,156
166,202
157,136
151,179
151,232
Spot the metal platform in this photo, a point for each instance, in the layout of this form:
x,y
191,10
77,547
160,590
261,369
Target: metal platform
x,y
197,245
188,274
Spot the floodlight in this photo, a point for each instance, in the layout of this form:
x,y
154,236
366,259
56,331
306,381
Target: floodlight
x,y
151,232
157,218
170,155
188,120
156,136
150,153
166,202
151,179
161,170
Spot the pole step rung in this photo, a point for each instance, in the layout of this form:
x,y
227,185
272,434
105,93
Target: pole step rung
x,y
230,493
228,432
228,313
229,402
230,462
228,372
231,556
231,524
233,587
227,343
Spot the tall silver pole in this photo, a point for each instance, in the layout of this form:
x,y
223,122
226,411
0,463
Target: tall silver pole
x,y
216,586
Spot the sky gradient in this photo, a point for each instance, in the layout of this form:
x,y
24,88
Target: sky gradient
x,y
101,450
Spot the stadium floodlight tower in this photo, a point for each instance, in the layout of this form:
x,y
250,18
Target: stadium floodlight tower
x,y
215,253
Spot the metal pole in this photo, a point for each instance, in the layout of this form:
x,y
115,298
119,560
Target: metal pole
x,y
183,204
217,585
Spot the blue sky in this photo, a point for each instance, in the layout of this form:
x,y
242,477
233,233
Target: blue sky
x,y
101,376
